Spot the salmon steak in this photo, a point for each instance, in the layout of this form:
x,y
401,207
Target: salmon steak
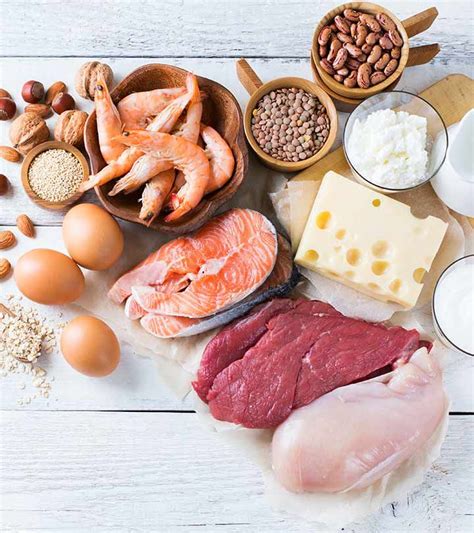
x,y
205,273
282,280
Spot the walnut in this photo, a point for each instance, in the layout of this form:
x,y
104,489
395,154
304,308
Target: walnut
x,y
87,77
27,131
70,127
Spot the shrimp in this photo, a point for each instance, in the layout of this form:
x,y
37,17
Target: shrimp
x,y
164,122
109,124
185,156
220,157
155,194
148,165
137,109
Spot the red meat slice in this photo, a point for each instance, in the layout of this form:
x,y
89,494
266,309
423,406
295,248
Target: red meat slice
x,y
304,351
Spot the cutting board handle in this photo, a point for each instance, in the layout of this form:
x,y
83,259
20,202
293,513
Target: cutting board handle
x,y
247,76
420,22
419,55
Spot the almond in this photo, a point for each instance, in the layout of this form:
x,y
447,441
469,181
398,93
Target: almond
x,y
10,154
42,110
5,267
7,239
55,89
24,224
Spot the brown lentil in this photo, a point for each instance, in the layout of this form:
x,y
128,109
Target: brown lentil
x,y
55,175
290,124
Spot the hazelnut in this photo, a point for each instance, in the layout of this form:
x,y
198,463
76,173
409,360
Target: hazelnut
x,y
27,131
32,92
87,76
4,184
56,88
63,102
7,108
6,94
70,127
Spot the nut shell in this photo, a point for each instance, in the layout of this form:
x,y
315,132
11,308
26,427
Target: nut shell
x,y
63,102
4,184
5,94
27,131
7,108
5,267
32,92
7,239
56,88
70,127
87,76
42,110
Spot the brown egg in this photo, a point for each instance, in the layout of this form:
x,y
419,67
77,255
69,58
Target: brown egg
x,y
49,277
90,346
92,237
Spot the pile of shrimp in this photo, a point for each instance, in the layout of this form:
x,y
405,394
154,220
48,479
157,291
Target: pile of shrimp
x,y
156,139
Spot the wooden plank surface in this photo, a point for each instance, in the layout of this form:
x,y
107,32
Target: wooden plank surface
x,y
195,28
161,472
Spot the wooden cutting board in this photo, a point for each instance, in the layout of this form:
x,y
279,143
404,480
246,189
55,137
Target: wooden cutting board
x,y
452,97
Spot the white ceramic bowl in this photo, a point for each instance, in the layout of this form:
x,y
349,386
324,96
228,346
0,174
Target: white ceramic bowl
x,y
413,104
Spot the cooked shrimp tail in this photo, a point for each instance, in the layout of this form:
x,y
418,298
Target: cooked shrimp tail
x,y
109,124
144,169
220,157
155,194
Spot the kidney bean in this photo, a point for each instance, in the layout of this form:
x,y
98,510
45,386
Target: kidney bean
x,y
344,71
385,21
324,35
323,51
396,52
351,14
370,22
377,77
391,67
342,24
385,42
344,38
339,78
340,60
366,48
336,45
326,66
351,80
382,62
375,54
361,34
395,37
363,76
352,64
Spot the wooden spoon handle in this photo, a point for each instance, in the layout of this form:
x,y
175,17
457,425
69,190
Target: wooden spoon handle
x,y
420,22
247,76
419,55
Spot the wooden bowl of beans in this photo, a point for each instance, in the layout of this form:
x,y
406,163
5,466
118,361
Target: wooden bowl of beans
x,y
290,123
360,49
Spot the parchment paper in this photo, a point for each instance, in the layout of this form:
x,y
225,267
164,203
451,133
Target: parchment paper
x,y
178,360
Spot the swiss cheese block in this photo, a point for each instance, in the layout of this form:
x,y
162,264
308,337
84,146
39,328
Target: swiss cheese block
x,y
369,241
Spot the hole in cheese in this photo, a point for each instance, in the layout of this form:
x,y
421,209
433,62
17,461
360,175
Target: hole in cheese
x,y
376,202
395,285
353,256
373,286
311,255
322,220
418,274
349,274
380,248
340,234
379,267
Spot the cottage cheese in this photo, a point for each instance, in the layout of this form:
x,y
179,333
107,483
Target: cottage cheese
x,y
388,148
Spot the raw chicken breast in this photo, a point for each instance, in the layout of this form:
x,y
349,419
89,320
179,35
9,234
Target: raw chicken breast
x,y
354,435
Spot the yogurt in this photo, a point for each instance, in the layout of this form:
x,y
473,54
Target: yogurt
x,y
453,305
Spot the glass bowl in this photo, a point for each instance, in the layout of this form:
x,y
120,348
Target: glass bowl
x,y
415,105
442,328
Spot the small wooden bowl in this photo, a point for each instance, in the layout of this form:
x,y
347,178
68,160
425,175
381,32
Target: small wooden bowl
x,y
43,147
257,90
357,92
220,110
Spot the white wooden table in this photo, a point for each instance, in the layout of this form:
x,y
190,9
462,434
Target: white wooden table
x,y
122,453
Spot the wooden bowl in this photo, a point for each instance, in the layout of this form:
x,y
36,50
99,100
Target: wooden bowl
x,y
220,110
43,147
257,90
357,92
